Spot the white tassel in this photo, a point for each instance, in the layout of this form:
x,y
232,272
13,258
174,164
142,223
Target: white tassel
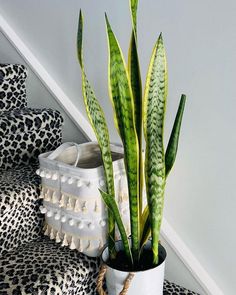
x,y
84,208
80,246
71,222
77,206
64,178
79,183
91,226
54,176
47,196
46,233
38,171
52,234
70,180
58,239
63,219
80,225
54,197
63,201
41,196
44,227
70,204
65,242
96,209
72,244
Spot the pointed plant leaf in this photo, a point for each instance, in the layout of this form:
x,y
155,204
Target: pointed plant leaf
x,y
133,8
80,39
172,146
111,204
98,122
123,104
153,113
136,85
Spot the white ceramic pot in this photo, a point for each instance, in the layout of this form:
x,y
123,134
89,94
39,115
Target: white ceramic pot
x,y
148,282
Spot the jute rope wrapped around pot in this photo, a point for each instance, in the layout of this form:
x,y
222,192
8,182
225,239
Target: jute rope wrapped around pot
x,y
100,281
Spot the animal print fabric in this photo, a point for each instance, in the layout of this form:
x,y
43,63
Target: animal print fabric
x,y
173,289
44,267
12,87
20,218
26,133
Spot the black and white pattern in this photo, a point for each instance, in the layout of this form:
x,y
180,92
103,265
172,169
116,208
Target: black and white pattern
x,y
43,267
26,133
173,289
20,218
12,87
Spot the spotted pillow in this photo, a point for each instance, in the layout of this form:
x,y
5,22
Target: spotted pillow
x,y
12,87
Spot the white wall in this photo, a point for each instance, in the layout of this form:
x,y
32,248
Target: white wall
x,y
200,38
37,94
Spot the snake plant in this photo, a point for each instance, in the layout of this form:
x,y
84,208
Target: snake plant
x,y
134,114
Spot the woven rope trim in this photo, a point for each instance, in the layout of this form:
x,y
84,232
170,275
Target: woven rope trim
x,y
101,277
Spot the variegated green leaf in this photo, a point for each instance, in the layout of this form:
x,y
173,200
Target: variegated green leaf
x,y
133,7
122,100
172,146
154,111
80,40
98,122
136,85
111,204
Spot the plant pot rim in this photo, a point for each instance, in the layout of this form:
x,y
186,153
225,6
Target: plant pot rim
x,y
162,254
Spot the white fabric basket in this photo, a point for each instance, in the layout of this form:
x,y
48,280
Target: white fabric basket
x,y
74,211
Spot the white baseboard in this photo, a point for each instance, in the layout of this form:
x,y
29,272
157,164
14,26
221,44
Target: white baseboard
x,y
168,233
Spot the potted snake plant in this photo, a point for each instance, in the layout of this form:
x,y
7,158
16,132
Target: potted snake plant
x,y
134,115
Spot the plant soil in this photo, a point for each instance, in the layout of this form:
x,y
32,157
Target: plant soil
x,y
121,263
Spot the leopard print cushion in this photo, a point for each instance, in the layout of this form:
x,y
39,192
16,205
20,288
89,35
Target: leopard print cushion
x,y
173,289
26,133
20,218
44,267
12,87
